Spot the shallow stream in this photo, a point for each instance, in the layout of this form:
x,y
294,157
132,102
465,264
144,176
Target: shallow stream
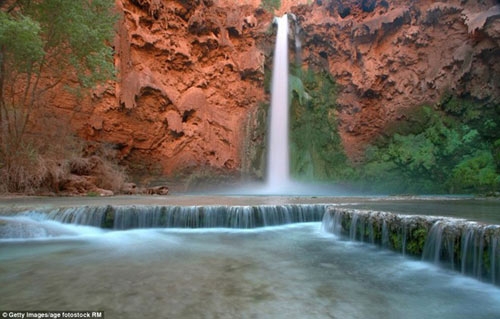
x,y
292,271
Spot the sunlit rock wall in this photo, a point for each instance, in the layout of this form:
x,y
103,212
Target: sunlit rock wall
x,y
189,74
190,90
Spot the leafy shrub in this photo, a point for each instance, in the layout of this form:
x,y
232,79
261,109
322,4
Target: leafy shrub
x,y
475,173
44,43
445,153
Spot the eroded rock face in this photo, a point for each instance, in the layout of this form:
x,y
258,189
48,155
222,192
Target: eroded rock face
x,y
392,55
191,72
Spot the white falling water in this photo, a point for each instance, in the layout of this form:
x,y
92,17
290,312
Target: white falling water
x,y
278,170
278,180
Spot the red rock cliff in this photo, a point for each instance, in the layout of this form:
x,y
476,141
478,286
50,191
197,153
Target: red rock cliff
x,y
392,55
191,71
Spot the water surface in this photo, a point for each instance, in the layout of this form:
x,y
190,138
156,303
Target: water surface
x,y
294,271
479,209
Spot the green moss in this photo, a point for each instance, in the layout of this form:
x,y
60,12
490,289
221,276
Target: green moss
x,y
396,240
271,5
377,232
416,242
267,80
465,108
346,223
316,148
163,216
254,148
109,218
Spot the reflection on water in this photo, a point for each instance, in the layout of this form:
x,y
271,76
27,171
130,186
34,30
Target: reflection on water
x,y
277,272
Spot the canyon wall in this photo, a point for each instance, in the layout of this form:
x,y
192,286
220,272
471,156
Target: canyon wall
x,y
389,56
189,73
192,74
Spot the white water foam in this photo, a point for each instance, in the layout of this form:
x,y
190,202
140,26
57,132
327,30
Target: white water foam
x,y
35,227
278,170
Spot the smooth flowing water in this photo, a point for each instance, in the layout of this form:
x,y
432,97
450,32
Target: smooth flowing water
x,y
278,171
294,271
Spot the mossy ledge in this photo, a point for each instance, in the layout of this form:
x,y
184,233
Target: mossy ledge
x,y
468,247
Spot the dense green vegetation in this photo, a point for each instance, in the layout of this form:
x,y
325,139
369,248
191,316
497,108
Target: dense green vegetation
x,y
449,148
45,44
316,148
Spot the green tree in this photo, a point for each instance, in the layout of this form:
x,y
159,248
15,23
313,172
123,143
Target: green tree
x,y
43,44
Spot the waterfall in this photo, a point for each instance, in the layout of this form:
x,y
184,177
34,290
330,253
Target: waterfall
x,y
150,216
278,167
385,234
457,244
433,244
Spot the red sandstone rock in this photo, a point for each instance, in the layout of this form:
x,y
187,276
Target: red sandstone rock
x,y
401,56
192,72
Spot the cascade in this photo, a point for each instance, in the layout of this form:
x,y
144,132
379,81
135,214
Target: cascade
x,y
458,244
150,216
278,167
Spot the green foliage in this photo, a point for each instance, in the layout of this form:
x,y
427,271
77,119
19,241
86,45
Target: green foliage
x,y
297,87
448,151
496,154
271,5
42,44
396,240
20,41
416,242
452,147
465,108
54,37
475,173
77,34
109,218
316,149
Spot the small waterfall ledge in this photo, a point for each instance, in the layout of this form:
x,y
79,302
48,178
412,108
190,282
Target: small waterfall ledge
x,y
468,247
464,246
150,216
